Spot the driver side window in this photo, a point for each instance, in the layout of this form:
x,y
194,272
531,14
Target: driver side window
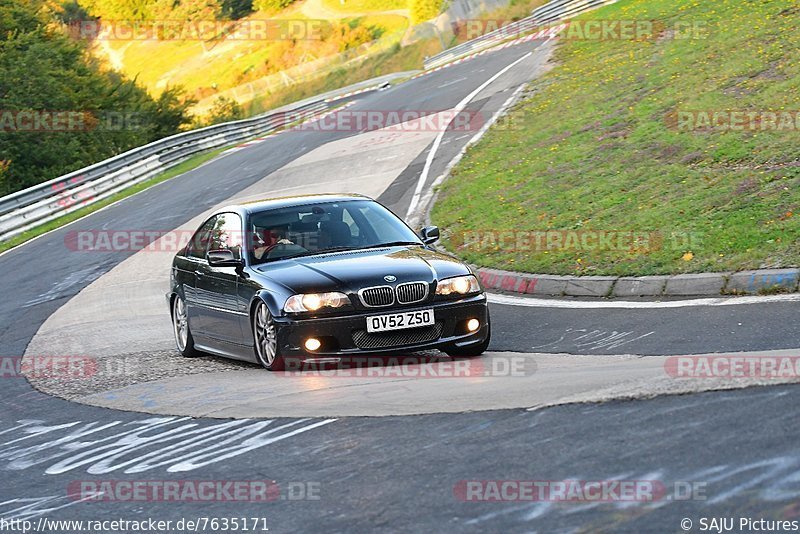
x,y
199,243
226,234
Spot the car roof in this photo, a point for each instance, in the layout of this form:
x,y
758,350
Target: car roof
x,y
283,202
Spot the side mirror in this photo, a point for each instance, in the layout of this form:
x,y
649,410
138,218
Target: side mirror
x,y
429,234
222,258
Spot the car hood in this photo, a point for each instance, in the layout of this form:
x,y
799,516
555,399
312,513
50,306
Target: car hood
x,y
353,270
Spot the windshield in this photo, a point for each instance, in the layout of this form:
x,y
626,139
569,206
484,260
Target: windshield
x,y
324,227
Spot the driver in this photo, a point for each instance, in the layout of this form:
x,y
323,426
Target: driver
x,y
272,237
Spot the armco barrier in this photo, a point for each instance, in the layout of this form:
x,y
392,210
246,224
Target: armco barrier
x,y
549,13
44,202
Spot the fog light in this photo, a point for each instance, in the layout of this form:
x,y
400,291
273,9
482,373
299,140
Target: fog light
x,y
473,324
312,344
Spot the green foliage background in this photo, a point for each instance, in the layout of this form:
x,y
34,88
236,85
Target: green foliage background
x,y
592,146
42,69
422,10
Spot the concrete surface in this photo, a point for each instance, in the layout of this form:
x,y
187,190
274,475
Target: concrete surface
x,y
643,286
682,285
696,284
123,310
763,280
589,286
398,473
405,385
131,296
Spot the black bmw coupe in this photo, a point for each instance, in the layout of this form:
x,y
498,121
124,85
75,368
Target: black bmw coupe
x,y
319,278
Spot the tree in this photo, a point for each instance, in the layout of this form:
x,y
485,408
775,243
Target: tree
x,y
224,110
71,12
43,71
171,112
18,17
4,185
347,36
119,10
271,5
186,10
146,10
422,10
236,9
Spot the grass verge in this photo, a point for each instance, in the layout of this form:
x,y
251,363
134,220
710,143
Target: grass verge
x,y
594,145
351,6
495,19
188,165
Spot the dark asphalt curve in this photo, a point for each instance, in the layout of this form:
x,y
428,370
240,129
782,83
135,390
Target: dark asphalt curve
x,y
30,297
395,473
729,454
649,332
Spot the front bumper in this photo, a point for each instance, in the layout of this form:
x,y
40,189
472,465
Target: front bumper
x,y
346,335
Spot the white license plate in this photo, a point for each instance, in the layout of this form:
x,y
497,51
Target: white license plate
x,y
399,321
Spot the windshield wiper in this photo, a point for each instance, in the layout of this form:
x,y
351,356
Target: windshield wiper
x,y
315,252
341,249
393,244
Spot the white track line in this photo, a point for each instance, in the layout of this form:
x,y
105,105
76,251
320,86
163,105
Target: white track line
x,y
458,109
16,248
532,302
425,199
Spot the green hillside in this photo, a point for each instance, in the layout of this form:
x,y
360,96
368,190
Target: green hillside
x,y
604,143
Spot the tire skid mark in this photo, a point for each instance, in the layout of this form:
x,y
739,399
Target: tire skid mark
x,y
177,444
595,339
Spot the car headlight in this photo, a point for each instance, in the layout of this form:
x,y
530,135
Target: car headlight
x,y
460,285
314,301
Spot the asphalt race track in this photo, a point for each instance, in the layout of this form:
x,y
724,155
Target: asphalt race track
x,y
383,452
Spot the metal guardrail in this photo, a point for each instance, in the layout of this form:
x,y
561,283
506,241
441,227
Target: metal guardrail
x,y
44,202
549,13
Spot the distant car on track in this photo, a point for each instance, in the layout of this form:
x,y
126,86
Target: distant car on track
x,y
317,278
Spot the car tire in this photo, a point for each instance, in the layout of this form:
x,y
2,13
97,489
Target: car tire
x,y
180,327
265,339
475,349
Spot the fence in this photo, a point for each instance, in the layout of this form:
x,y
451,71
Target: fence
x,y
44,202
551,12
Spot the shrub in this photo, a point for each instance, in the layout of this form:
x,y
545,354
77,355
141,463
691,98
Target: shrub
x,y
271,5
224,110
422,10
43,70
